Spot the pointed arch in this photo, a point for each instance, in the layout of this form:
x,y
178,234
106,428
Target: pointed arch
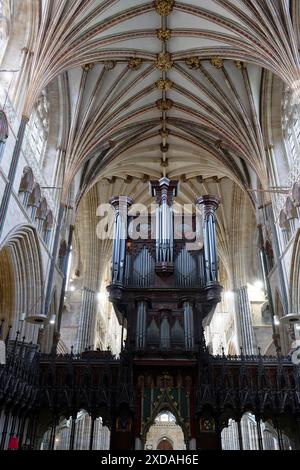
x,y
21,277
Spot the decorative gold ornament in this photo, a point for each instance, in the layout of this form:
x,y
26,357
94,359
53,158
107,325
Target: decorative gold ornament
x,y
164,7
164,61
135,63
88,67
164,105
164,84
239,64
193,62
217,62
164,34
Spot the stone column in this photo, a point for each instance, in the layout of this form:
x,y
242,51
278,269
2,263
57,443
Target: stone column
x,y
121,205
12,171
210,205
56,334
247,338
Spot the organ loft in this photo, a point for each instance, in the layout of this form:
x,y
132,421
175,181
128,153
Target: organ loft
x,y
162,291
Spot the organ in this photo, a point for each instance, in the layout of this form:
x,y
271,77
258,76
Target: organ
x,y
165,282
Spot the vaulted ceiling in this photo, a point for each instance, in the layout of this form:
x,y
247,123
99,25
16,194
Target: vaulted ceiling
x,y
164,87
153,88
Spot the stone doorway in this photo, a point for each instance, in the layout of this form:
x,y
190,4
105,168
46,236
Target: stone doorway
x,y
165,433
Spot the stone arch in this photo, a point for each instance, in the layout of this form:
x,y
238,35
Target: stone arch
x,y
27,181
165,434
283,221
35,195
4,130
21,279
165,404
290,209
279,310
294,292
42,209
41,213
48,226
162,444
273,91
22,24
296,193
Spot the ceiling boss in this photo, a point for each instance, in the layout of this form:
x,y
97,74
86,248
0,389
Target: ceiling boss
x,y
164,7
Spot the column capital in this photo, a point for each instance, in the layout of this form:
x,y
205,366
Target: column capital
x,y
117,201
209,201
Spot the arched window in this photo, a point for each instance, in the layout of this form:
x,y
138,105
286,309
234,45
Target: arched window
x,y
291,126
291,213
41,214
3,130
5,21
47,227
26,185
284,224
34,201
38,128
296,196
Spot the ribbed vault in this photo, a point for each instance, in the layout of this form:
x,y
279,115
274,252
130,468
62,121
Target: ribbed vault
x,y
163,74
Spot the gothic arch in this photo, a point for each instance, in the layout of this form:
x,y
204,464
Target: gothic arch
x,y
3,127
294,293
165,404
21,276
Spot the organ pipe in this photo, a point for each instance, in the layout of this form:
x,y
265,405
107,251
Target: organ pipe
x,y
164,190
121,205
210,204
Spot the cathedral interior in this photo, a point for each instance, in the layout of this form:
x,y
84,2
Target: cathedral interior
x,y
150,225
